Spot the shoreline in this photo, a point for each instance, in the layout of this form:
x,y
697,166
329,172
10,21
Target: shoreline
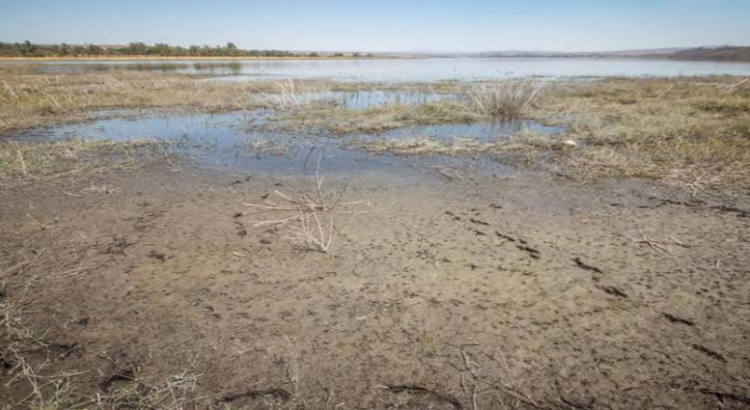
x,y
175,58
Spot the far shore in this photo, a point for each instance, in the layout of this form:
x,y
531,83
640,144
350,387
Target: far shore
x,y
175,58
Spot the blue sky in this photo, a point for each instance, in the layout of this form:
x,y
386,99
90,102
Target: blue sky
x,y
384,25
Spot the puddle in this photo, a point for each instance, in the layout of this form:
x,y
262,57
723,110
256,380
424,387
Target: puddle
x,y
226,142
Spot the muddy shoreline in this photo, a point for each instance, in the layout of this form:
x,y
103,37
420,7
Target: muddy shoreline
x,y
527,291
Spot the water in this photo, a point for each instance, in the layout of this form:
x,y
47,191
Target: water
x,y
401,70
225,141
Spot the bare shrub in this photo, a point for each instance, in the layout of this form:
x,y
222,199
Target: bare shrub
x,y
508,98
311,223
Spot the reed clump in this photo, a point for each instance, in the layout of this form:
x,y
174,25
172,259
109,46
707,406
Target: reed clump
x,y
505,99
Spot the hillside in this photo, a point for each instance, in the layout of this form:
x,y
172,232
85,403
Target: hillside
x,y
714,54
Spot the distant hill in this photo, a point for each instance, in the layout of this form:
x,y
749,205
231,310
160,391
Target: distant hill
x,y
713,54
719,53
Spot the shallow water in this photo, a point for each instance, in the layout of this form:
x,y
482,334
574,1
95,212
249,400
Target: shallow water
x,y
405,69
226,141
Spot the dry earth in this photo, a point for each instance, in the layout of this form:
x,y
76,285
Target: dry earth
x,y
483,293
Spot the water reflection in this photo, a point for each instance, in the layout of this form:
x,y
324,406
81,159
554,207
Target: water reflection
x,y
403,69
225,140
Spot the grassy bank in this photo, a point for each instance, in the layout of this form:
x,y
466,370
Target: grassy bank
x,y
693,130
28,100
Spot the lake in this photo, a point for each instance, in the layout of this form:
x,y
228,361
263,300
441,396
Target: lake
x,y
403,69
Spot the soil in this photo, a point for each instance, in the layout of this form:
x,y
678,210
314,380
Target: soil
x,y
481,293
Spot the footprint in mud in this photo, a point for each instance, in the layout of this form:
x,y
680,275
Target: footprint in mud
x,y
256,399
123,384
6,364
413,397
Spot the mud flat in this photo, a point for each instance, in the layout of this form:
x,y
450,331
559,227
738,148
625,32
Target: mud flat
x,y
515,292
151,261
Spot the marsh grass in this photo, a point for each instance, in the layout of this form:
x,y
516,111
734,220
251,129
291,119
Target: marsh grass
x,y
24,161
325,117
29,99
267,147
506,99
291,93
424,145
684,129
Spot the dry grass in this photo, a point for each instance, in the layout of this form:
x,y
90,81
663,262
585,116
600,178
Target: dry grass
x,y
322,117
28,99
693,131
28,161
504,99
32,378
507,99
422,145
291,93
263,147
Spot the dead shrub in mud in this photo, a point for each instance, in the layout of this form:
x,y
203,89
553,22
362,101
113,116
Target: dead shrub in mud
x,y
309,215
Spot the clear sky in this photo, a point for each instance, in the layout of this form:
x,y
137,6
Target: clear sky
x,y
384,25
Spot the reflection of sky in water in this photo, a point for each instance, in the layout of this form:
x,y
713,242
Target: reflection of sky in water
x,y
224,140
407,69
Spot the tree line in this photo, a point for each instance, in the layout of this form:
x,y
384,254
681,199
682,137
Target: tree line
x,y
28,49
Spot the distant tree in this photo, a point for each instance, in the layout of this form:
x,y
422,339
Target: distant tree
x,y
136,49
94,50
29,49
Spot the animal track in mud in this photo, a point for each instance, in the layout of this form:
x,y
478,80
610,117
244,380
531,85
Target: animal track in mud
x,y
418,397
583,265
710,353
118,246
160,256
147,221
122,377
533,253
269,397
613,291
478,222
677,319
240,228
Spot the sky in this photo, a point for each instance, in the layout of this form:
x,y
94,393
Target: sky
x,y
384,25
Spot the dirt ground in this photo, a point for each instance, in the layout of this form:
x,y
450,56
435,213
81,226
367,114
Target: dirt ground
x,y
483,293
